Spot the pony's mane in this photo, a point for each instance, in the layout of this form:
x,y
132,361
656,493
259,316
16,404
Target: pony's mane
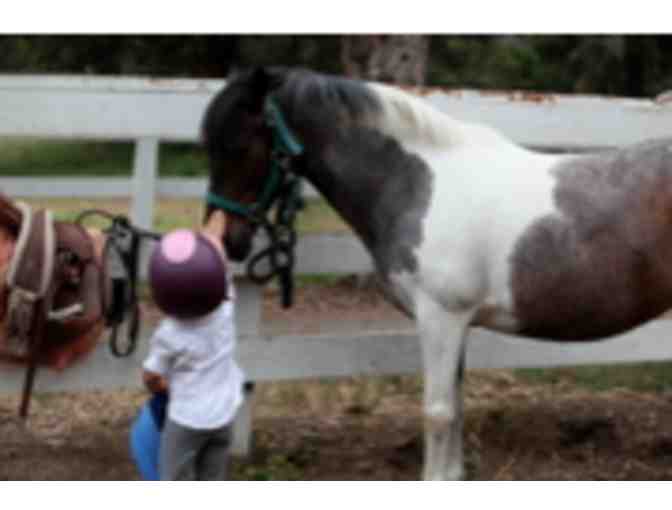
x,y
311,98
408,117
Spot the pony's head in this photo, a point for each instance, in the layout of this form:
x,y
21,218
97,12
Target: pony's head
x,y
352,131
239,140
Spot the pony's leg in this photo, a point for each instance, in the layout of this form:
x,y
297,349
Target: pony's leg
x,y
442,333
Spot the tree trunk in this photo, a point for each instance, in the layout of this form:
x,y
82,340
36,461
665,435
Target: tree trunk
x,y
400,59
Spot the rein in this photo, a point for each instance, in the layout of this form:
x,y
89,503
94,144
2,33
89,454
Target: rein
x,y
282,187
121,257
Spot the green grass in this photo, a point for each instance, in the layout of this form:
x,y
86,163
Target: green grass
x,y
30,157
648,377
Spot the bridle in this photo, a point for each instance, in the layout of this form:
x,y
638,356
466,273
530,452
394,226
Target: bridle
x,y
281,188
121,259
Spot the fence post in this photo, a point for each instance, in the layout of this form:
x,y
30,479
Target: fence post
x,y
241,431
143,189
248,319
145,171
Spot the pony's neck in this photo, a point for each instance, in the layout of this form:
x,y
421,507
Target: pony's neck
x,y
379,189
368,168
351,194
367,148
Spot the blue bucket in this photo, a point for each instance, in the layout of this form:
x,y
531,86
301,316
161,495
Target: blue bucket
x,y
145,436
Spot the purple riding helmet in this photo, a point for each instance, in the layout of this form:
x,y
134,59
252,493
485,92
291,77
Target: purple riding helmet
x,y
187,275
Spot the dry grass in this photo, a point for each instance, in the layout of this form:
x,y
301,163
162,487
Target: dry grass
x,y
368,428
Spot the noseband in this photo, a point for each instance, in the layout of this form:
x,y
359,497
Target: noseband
x,y
282,187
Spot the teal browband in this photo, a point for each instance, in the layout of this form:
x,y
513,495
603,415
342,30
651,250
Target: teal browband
x,y
285,143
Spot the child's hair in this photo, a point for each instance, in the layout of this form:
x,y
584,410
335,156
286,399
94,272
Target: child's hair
x,y
187,274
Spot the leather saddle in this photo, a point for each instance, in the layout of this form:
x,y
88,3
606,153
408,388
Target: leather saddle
x,y
54,291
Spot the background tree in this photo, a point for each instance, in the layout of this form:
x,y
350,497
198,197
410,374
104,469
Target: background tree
x,y
631,65
400,59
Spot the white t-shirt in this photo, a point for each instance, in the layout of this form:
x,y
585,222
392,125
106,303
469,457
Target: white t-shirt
x,y
196,357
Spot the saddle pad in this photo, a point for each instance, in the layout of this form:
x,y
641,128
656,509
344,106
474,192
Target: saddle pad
x,y
65,344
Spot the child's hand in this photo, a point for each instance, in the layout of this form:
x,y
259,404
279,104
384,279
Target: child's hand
x,y
154,382
215,228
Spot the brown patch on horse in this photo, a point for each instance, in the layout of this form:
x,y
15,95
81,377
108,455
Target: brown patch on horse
x,y
603,263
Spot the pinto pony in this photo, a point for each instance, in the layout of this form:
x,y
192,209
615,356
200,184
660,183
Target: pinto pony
x,y
465,228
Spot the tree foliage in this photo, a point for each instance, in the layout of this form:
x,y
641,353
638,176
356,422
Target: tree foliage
x,y
633,65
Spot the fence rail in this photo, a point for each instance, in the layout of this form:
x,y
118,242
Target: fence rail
x,y
149,112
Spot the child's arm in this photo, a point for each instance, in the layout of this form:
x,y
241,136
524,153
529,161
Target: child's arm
x,y
157,364
215,229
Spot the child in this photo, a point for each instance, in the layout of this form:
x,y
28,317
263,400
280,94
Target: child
x,y
192,359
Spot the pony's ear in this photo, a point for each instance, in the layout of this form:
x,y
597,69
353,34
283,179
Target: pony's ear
x,y
264,80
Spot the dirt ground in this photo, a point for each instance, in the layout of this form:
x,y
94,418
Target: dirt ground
x,y
365,428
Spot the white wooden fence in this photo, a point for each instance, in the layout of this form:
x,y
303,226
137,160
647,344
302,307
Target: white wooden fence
x,y
152,111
